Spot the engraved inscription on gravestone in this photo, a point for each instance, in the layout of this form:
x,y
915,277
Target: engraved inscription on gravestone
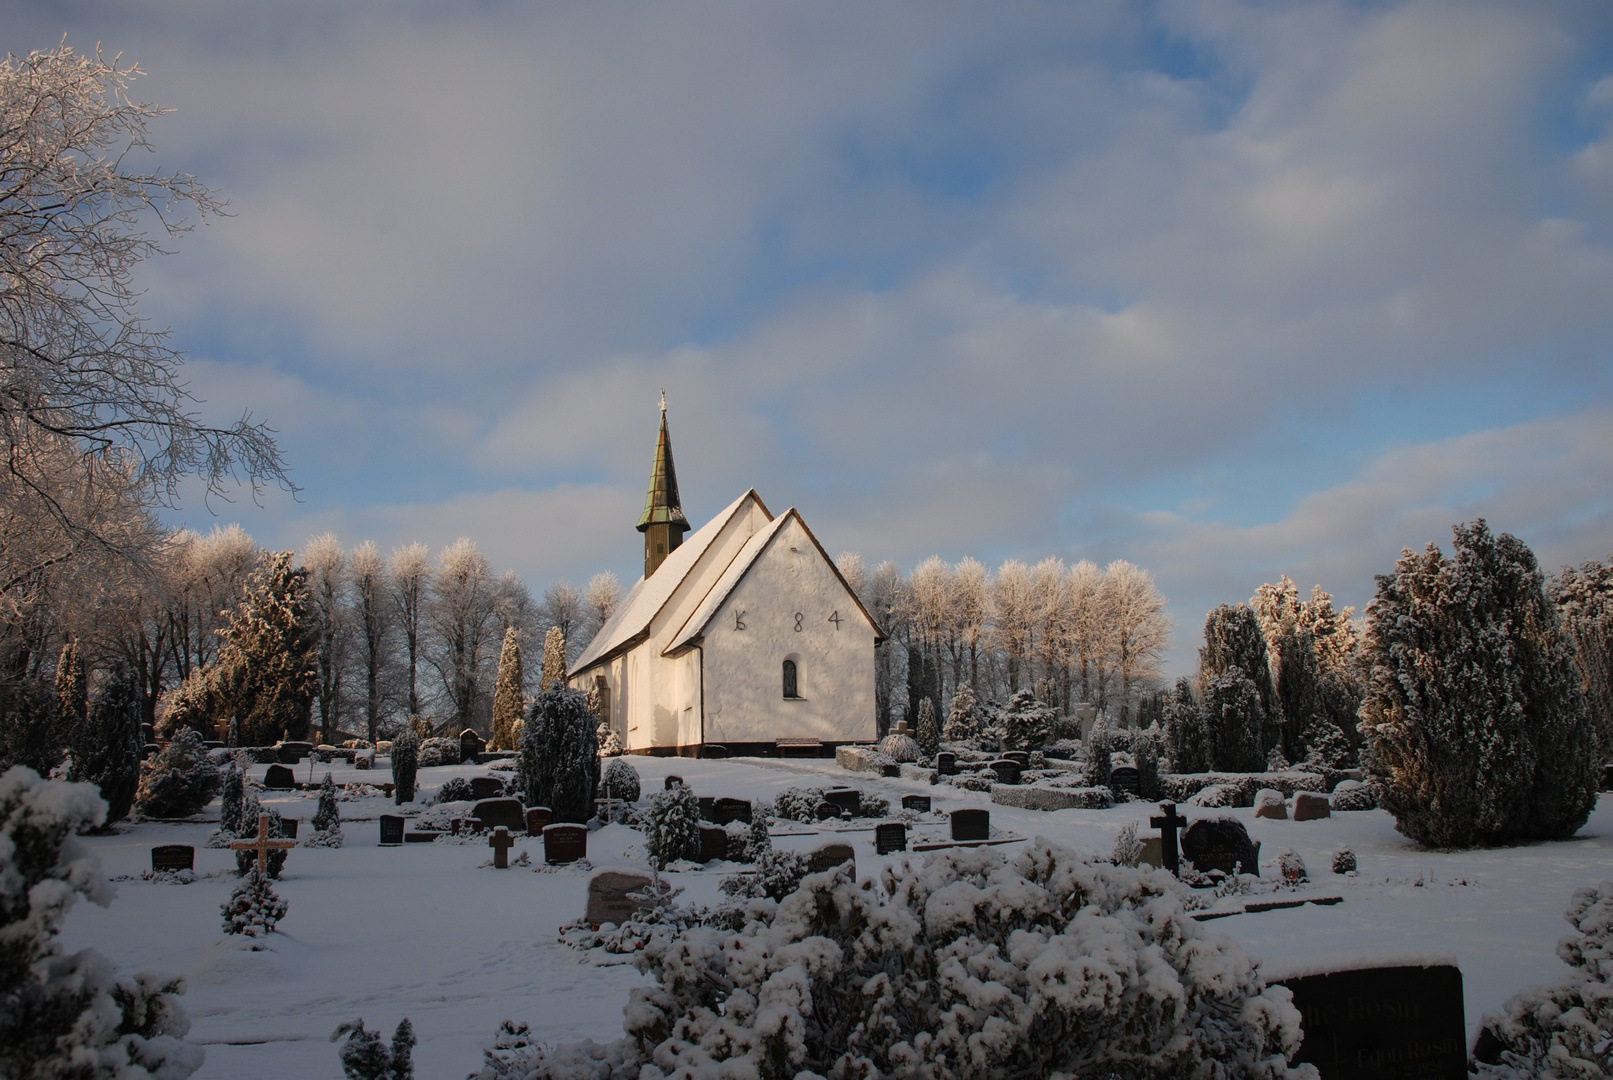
x,y
921,803
1389,1023
728,810
1007,770
495,812
829,856
946,763
391,830
1125,778
611,896
173,857
890,836
536,818
486,787
849,799
565,843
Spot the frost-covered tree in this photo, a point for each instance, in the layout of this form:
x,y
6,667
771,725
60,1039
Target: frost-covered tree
x,y
928,733
1026,722
1310,650
71,694
1232,638
554,659
410,580
1584,597
620,781
1139,627
365,1057
71,1015
1097,754
254,908
560,755
963,721
1476,726
372,625
405,765
1233,722
564,609
462,617
106,751
672,826
327,821
509,692
30,725
600,598
1184,730
325,561
179,781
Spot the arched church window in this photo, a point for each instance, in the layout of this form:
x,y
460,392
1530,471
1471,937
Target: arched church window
x,y
790,685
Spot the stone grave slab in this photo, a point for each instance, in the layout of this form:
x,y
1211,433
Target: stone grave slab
x,y
1126,779
1220,844
971,823
289,753
173,857
730,810
1269,803
671,782
1387,1022
1607,777
713,843
493,813
279,778
1022,758
287,826
486,787
391,830
421,836
828,811
889,837
1153,853
708,807
565,843
921,803
849,799
537,817
890,772
1309,806
611,899
1007,770
946,763
830,856
471,745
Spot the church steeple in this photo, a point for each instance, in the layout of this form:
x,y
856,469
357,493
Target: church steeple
x,y
662,522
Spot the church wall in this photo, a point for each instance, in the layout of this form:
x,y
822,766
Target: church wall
x,y
744,700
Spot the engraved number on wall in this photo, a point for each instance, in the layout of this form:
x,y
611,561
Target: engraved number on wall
x,y
835,618
798,618
739,620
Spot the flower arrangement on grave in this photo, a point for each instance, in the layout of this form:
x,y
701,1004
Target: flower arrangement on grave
x,y
254,908
365,1057
71,1015
671,826
327,818
180,781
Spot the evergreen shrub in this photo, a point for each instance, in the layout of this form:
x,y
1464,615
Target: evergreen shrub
x,y
180,781
671,826
405,766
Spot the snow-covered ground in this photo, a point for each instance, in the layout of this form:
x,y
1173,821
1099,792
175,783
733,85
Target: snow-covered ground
x,y
434,933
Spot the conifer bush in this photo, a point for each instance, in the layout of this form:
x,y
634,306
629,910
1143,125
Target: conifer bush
x,y
963,718
559,765
1097,755
1184,730
365,1057
254,908
672,826
106,747
620,781
327,821
928,734
246,861
180,781
1026,722
405,766
1233,721
1477,728
509,692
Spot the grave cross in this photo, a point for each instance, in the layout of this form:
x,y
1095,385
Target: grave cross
x,y
263,845
1167,824
501,841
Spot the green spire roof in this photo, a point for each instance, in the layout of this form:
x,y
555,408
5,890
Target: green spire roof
x,y
661,505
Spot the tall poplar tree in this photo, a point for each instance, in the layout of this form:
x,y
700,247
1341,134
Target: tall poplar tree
x,y
509,697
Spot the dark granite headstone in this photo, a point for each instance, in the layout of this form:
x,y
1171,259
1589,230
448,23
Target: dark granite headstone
x,y
1393,1022
391,830
421,836
849,799
889,837
921,803
565,843
536,818
708,807
1022,758
495,812
971,823
173,857
1007,770
672,781
611,899
828,811
713,843
290,753
1220,844
829,856
486,787
946,763
288,826
1124,779
279,778
471,745
728,810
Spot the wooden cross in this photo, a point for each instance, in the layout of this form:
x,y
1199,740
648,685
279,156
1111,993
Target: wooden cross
x,y
263,845
501,841
1167,824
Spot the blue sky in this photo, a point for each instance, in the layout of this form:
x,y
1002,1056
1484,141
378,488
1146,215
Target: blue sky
x,y
1226,289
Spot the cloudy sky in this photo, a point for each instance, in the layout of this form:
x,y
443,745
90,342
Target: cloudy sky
x,y
1226,289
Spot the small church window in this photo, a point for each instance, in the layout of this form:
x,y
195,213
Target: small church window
x,y
790,685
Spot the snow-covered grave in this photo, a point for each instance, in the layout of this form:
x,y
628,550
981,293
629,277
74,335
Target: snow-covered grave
x,y
434,933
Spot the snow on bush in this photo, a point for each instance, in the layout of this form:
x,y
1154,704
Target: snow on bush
x,y
620,781
405,764
1027,723
70,1016
327,821
1344,861
1291,867
365,1057
672,826
180,781
901,748
1566,1029
1216,795
1128,849
559,762
454,789
963,719
962,964
610,743
438,751
1352,795
254,907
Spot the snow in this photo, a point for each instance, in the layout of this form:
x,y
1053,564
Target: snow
x,y
429,931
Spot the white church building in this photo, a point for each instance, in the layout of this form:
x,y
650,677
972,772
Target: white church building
x,y
742,635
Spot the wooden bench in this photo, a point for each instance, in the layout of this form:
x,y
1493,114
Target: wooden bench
x,y
813,747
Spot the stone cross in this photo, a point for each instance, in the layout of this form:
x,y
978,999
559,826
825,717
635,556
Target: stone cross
x,y
501,841
263,845
1167,823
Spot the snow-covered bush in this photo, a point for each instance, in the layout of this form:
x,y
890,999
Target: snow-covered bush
x,y
180,781
559,764
1184,730
1352,795
327,821
1291,867
963,964
1344,861
610,743
405,766
900,747
798,803
1145,750
1215,795
254,907
232,788
1566,1029
1234,719
71,1016
1097,754
620,781
981,780
672,826
1128,849
438,751
776,875
246,860
365,1057
106,744
1027,723
454,789
963,719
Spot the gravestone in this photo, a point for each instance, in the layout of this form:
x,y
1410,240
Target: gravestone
x,y
1383,1022
828,811
1126,779
921,803
565,843
391,830
1007,770
713,843
729,810
537,817
708,807
1153,852
279,778
671,782
946,763
421,836
1167,823
495,812
889,837
1022,758
471,745
288,826
1270,804
1309,806
486,787
830,856
611,899
289,753
1220,844
891,771
173,857
971,824
501,841
848,799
